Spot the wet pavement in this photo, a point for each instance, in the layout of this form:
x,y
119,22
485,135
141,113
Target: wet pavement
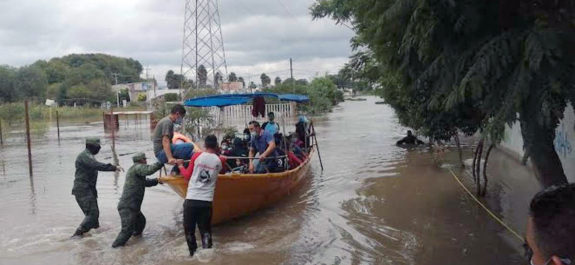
x,y
374,203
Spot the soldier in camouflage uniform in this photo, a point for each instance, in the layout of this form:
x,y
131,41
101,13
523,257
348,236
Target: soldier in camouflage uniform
x,y
85,180
133,221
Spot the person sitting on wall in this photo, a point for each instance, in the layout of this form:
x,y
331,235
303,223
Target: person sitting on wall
x,y
410,139
550,235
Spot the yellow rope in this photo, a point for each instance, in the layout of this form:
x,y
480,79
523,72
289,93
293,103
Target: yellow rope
x,y
520,238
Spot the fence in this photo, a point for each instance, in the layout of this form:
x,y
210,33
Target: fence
x,y
238,116
242,114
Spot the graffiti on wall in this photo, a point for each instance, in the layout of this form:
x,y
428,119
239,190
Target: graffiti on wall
x,y
562,143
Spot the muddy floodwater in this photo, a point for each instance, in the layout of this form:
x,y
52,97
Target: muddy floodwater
x,y
374,203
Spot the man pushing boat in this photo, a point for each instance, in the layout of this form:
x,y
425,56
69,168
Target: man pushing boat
x,y
202,174
133,221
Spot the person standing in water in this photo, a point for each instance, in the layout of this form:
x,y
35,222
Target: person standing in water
x,y
133,221
202,174
409,139
85,179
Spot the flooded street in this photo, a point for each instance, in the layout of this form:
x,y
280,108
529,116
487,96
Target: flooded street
x,y
374,203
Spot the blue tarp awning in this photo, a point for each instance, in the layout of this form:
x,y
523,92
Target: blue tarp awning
x,y
238,99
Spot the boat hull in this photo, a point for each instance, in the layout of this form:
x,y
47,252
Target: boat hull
x,y
237,195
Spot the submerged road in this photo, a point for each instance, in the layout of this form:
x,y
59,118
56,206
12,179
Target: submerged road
x,y
375,203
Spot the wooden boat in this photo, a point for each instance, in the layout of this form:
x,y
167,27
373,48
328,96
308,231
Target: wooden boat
x,y
237,195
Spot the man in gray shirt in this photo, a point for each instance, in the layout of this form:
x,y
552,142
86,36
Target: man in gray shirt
x,y
165,151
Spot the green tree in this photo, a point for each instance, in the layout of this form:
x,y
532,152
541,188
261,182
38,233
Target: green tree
x,y
56,71
53,90
31,82
278,81
218,80
266,81
253,85
170,81
171,97
503,61
322,92
241,79
232,77
202,76
302,82
175,81
8,93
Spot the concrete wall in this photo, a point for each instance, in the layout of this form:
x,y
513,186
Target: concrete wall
x,y
564,142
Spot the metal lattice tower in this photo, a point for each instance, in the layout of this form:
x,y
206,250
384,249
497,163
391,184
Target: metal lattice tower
x,y
203,43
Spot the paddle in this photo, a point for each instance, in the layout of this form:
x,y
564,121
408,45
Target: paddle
x,y
316,145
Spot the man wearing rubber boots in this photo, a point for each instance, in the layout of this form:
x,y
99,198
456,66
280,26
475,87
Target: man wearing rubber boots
x,y
85,179
133,221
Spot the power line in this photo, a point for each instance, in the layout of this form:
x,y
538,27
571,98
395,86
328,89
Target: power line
x,y
286,9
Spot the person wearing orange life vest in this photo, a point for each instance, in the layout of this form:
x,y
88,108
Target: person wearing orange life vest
x,y
180,138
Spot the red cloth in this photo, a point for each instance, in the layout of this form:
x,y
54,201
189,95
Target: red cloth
x,y
294,161
259,107
187,172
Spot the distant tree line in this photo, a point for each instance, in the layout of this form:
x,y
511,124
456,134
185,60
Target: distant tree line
x,y
79,78
323,93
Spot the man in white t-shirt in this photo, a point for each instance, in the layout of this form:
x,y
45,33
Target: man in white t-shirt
x,y
202,174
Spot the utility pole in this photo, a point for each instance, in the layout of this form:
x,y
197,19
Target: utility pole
x,y
291,74
115,75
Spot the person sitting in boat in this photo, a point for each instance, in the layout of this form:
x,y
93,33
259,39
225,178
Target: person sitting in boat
x,y
179,137
271,126
226,144
410,139
238,150
296,147
262,143
293,160
202,174
302,129
247,137
164,150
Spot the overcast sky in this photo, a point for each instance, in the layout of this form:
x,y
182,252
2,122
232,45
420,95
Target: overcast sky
x,y
259,35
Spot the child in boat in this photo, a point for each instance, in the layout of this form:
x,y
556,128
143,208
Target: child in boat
x,y
202,174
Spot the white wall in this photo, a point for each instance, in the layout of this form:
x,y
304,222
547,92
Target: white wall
x,y
564,142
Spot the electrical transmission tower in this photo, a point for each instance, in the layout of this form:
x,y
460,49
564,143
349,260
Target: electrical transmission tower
x,y
203,54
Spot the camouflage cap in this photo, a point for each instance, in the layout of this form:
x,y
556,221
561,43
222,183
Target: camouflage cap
x,y
92,140
139,156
